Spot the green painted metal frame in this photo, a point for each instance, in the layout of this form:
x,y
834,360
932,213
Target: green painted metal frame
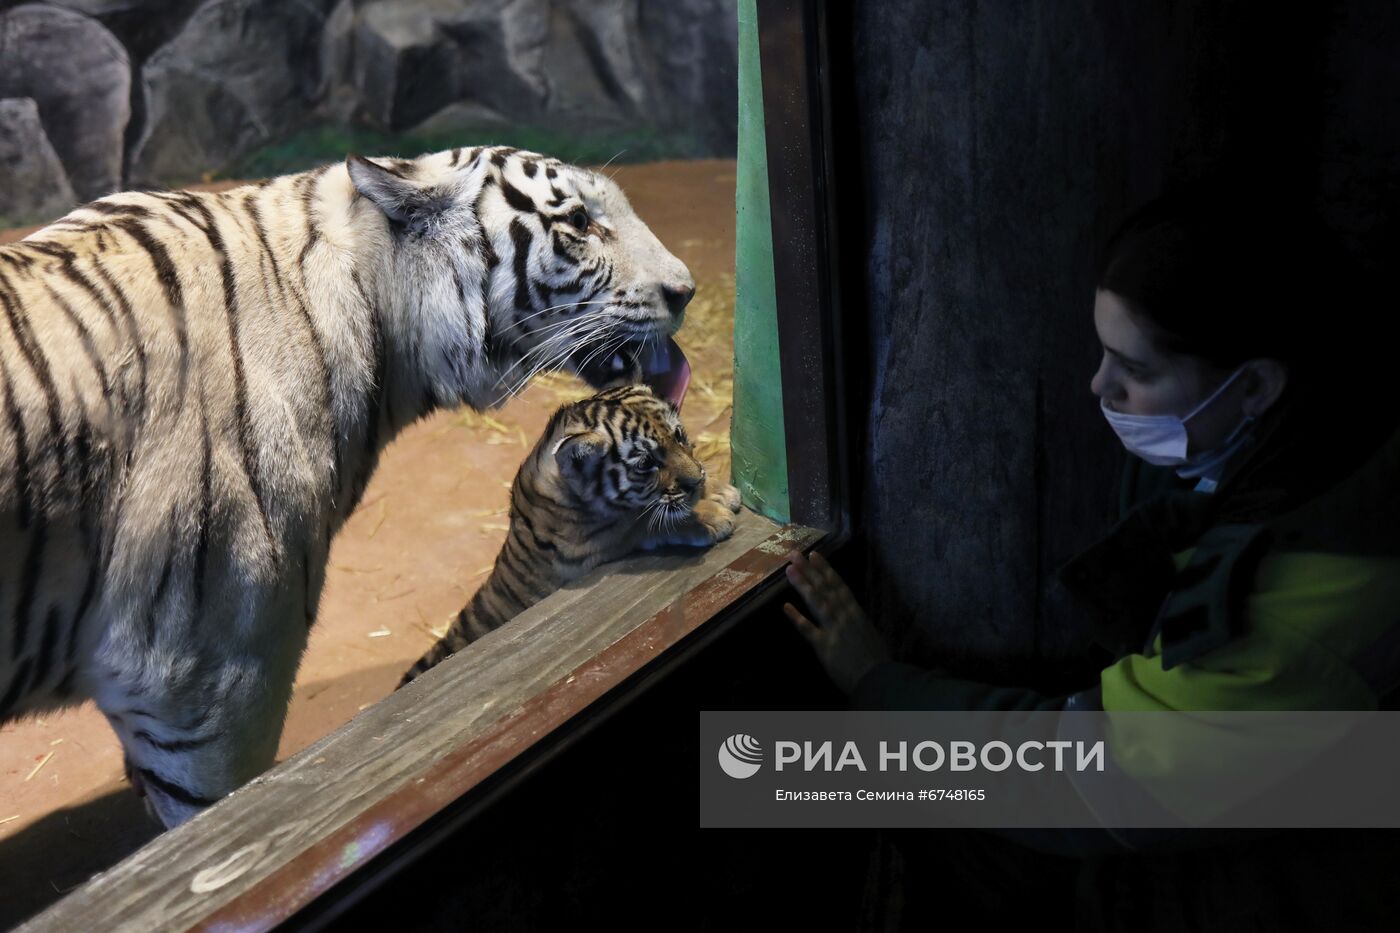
x,y
757,435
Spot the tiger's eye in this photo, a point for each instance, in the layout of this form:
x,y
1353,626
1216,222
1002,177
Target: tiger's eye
x,y
579,218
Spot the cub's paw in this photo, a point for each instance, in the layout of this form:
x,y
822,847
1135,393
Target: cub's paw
x,y
726,496
717,518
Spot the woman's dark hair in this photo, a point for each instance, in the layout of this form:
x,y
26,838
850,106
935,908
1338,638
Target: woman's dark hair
x,y
1228,270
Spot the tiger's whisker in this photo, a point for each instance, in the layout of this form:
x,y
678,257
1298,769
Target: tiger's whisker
x,y
567,304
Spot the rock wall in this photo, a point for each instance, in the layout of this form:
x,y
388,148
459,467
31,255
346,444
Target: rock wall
x,y
34,181
79,76
151,92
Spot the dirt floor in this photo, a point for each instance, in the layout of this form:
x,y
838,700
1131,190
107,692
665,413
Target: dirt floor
x,y
420,543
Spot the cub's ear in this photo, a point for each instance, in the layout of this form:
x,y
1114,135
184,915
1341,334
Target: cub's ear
x,y
575,450
402,200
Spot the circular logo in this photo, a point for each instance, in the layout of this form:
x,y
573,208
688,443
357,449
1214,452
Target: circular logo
x,y
740,756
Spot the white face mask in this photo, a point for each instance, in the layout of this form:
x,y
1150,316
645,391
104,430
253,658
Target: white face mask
x,y
1161,439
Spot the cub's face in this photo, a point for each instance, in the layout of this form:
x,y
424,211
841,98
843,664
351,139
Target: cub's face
x,y
624,450
542,263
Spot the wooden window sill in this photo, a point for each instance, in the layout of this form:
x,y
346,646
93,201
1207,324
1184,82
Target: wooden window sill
x,y
269,849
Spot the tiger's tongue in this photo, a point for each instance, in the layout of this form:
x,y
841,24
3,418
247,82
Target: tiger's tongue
x,y
667,371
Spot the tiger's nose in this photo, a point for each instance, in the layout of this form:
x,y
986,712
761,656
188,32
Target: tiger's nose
x,y
677,296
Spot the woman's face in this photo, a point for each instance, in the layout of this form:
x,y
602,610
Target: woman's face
x,y
1137,377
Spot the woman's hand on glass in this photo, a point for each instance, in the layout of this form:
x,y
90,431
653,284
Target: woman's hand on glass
x,y
847,644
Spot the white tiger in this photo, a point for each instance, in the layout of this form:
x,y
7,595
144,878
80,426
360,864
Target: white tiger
x,y
195,388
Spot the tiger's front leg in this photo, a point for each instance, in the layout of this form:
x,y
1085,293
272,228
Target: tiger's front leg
x,y
711,521
197,723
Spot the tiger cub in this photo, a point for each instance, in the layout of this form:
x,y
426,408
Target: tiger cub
x,y
611,474
195,388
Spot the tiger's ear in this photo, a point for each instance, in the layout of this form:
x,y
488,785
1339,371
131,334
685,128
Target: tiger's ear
x,y
402,200
574,450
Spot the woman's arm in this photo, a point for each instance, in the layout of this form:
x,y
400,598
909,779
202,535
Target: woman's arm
x,y
847,645
858,660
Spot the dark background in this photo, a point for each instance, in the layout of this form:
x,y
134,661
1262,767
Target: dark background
x,y
984,150
998,145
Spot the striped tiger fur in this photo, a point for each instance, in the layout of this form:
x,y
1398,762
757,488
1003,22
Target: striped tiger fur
x,y
610,475
195,388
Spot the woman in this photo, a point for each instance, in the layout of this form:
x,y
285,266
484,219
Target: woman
x,y
1256,563
1256,451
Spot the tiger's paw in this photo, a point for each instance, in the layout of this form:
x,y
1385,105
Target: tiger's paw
x,y
726,496
716,517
